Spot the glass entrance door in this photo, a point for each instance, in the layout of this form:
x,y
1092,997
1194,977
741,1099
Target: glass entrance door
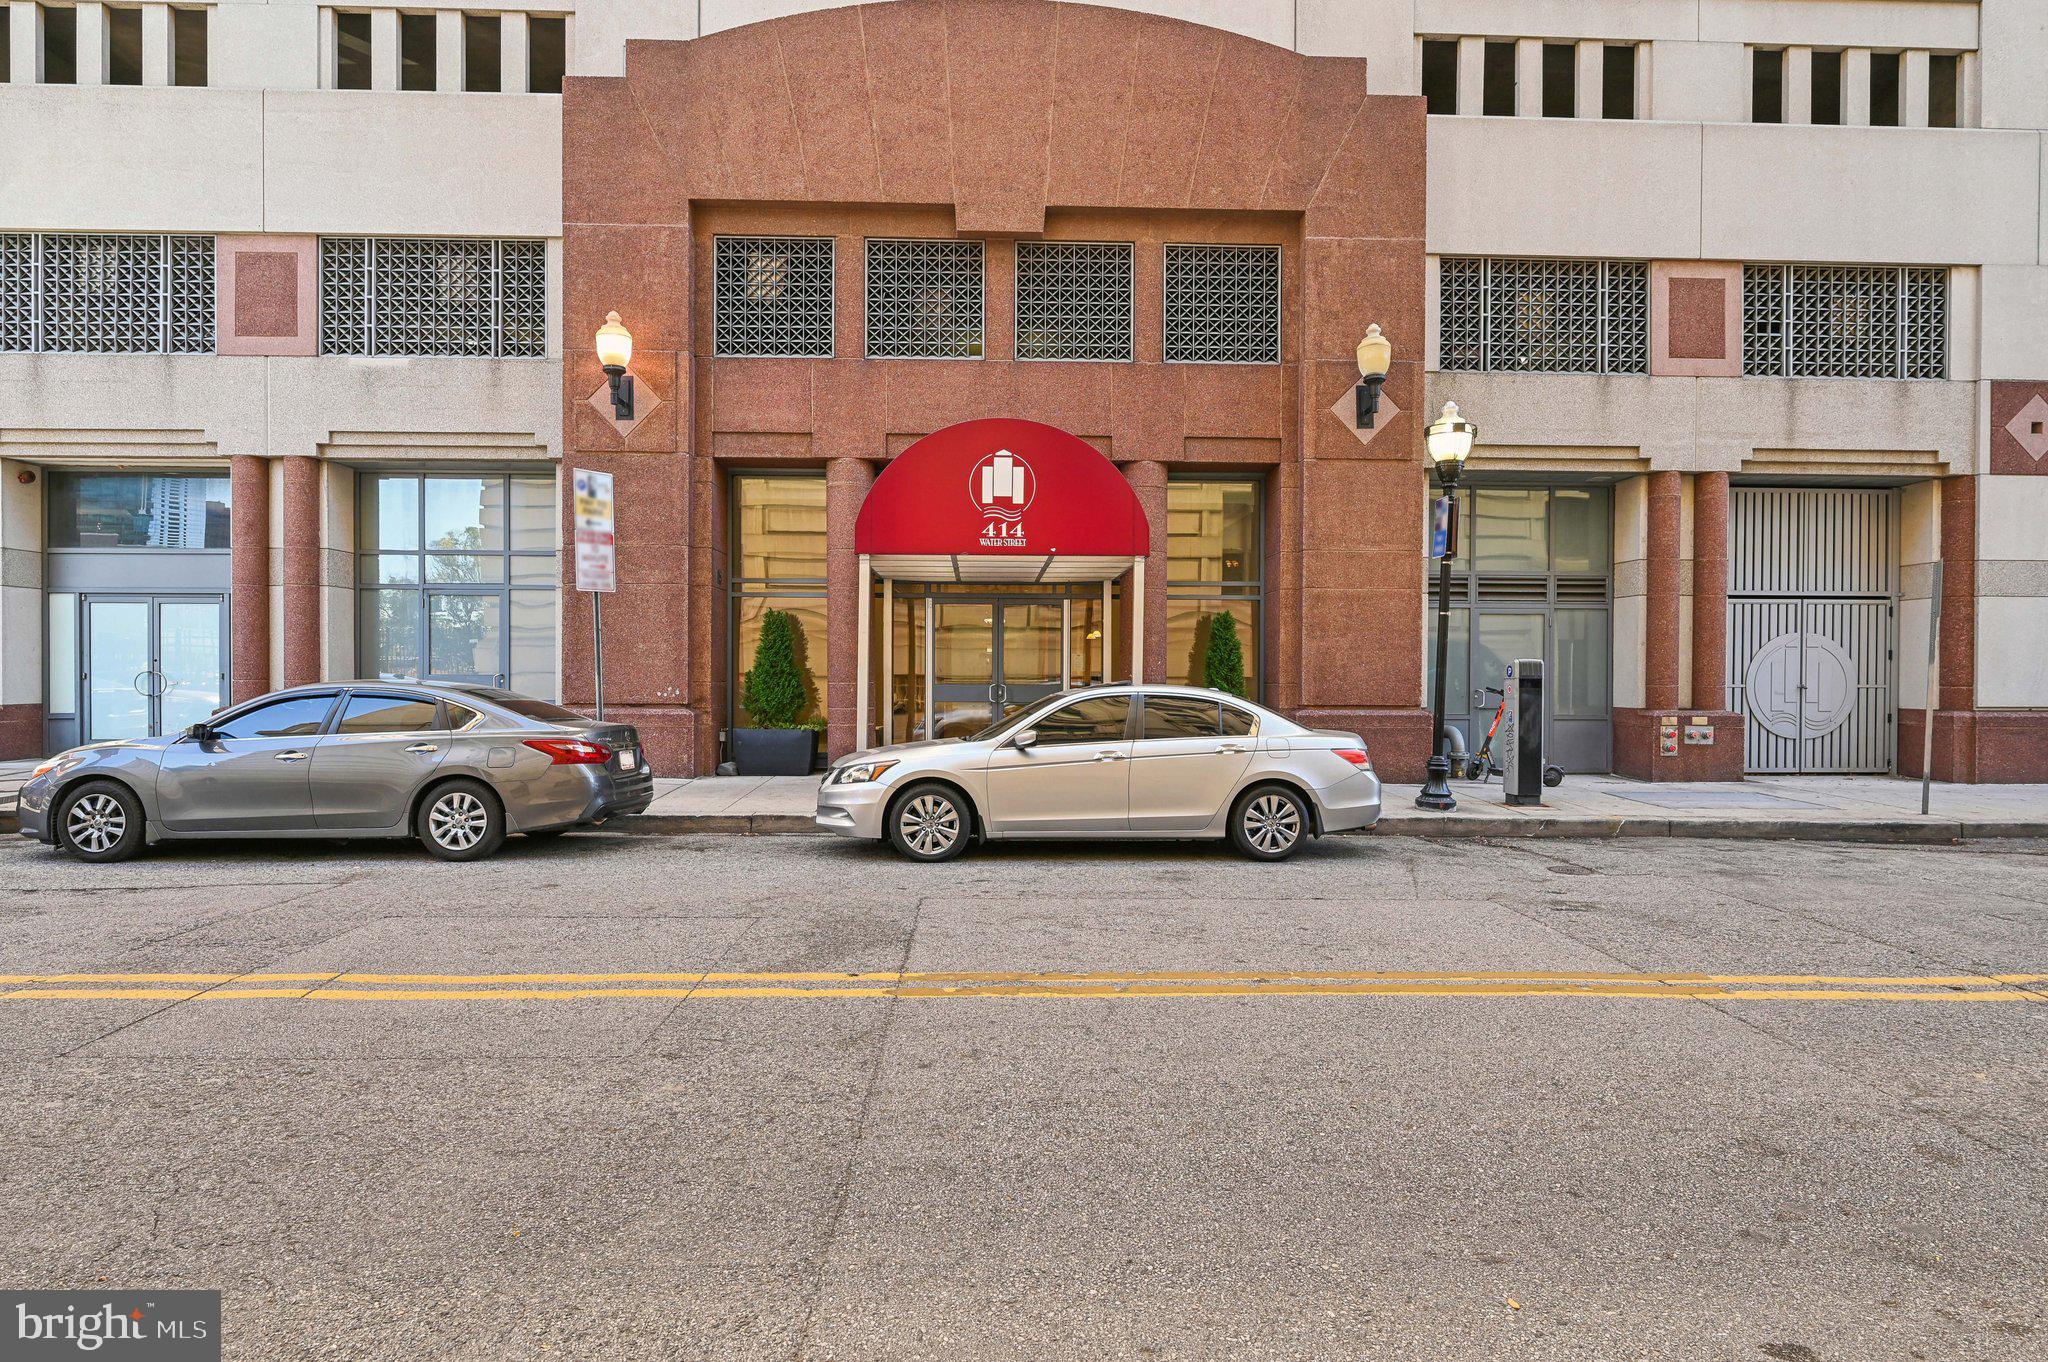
x,y
991,658
151,664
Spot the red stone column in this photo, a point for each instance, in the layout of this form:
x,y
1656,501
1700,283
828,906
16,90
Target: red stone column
x,y
300,569
846,486
1661,604
1147,478
249,575
1710,591
1956,723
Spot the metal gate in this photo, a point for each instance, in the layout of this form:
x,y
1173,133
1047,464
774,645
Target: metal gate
x,y
1811,582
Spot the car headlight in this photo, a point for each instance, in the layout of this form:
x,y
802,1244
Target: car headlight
x,y
63,761
860,773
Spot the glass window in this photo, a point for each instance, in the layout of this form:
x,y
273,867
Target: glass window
x,y
779,529
1100,719
525,706
482,49
1510,529
299,716
1180,716
547,50
1944,90
807,613
385,714
1884,89
1560,80
188,47
63,655
1827,87
1238,723
1618,85
1767,85
138,510
1214,562
352,50
459,717
1498,91
1440,74
1580,687
1579,529
501,626
418,36
60,45
124,46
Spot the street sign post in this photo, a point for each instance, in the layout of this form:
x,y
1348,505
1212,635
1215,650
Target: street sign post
x,y
597,560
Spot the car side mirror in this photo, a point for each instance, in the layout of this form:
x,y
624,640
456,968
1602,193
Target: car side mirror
x,y
199,732
1024,739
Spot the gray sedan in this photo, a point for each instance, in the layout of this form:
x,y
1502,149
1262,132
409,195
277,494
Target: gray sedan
x,y
457,766
1111,762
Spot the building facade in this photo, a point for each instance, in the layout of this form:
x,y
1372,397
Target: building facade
x,y
296,307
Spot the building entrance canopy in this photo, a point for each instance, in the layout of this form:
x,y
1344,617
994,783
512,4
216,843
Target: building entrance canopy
x,y
1001,500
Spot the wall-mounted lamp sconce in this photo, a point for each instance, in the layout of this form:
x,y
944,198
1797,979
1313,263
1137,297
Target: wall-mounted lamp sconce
x,y
615,352
1375,356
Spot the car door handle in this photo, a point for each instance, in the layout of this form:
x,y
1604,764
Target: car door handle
x,y
1231,747
424,747
290,756
1109,756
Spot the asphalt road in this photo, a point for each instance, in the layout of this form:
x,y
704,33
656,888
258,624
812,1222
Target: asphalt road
x,y
1393,1100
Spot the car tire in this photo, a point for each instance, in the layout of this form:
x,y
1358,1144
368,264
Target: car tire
x,y
1269,823
460,821
99,820
930,823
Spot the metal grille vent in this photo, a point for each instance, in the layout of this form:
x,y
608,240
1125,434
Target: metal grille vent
x,y
1074,300
1544,316
1844,321
1223,304
99,293
924,299
1582,589
428,296
772,295
1514,588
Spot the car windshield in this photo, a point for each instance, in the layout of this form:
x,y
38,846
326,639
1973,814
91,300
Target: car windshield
x,y
1015,721
525,705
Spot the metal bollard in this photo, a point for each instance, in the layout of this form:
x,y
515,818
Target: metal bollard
x,y
1522,733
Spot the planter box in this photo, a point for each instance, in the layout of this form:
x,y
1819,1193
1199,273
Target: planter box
x,y
774,751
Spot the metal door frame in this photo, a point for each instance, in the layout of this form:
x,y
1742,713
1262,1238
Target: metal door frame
x,y
997,689
154,603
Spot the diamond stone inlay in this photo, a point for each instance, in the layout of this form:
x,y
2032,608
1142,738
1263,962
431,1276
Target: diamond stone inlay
x,y
2030,428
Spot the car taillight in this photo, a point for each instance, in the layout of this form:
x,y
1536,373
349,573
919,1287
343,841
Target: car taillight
x,y
571,751
1356,756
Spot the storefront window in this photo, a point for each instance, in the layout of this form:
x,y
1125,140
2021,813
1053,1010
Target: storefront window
x,y
1214,562
778,563
138,510
458,578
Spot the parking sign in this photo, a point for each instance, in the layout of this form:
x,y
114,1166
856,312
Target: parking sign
x,y
597,550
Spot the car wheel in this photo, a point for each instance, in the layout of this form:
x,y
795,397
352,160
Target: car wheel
x,y
461,821
1269,823
929,823
100,820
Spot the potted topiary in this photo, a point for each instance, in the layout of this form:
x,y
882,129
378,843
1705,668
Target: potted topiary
x,y
1223,658
776,693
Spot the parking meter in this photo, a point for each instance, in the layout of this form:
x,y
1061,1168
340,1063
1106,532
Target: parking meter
x,y
1522,733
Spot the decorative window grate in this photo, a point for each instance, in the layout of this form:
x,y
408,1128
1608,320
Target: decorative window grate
x,y
924,299
428,296
1844,321
1543,316
772,295
1074,300
97,293
1223,304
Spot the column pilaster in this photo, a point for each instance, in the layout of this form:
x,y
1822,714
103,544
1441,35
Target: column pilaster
x,y
249,575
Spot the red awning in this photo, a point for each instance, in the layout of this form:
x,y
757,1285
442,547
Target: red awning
x,y
1001,500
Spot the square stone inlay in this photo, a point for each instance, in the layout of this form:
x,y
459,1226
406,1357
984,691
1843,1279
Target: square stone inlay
x,y
2030,427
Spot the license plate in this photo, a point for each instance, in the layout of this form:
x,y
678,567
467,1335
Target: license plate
x,y
629,760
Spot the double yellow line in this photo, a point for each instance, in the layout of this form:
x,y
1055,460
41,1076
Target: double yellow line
x,y
710,985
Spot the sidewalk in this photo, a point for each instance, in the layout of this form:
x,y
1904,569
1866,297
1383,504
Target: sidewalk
x,y
1832,808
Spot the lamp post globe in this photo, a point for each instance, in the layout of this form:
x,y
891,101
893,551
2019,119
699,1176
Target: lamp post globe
x,y
1448,440
1375,357
615,354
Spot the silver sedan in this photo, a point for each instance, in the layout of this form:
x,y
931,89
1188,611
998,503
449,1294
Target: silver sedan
x,y
456,766
1111,762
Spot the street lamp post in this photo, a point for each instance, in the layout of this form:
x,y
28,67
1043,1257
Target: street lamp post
x,y
1449,441
615,354
1375,357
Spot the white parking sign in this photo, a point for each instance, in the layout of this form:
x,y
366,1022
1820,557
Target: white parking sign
x,y
597,551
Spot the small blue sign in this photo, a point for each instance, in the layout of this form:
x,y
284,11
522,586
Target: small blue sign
x,y
1440,529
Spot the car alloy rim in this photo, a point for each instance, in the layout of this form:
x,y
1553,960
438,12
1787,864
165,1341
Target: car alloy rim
x,y
930,824
458,820
96,823
1272,823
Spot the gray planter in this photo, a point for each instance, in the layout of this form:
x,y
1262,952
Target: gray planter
x,y
774,751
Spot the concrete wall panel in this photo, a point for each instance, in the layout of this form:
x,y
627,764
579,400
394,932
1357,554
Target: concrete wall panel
x,y
119,158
